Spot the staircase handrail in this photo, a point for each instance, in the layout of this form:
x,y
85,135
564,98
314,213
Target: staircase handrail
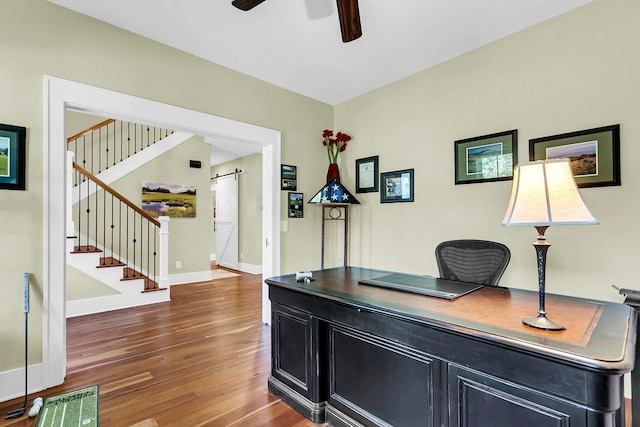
x,y
112,141
113,192
89,130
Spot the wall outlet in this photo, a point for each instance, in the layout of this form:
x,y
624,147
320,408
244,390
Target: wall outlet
x,y
178,264
241,255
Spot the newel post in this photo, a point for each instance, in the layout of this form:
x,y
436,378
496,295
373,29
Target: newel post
x,y
164,252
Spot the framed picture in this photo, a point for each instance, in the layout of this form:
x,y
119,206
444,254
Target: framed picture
x,y
396,186
367,175
13,140
172,200
296,205
486,158
594,154
289,177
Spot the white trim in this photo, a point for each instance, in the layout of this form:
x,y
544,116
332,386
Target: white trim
x,y
251,269
8,380
196,276
270,224
115,302
245,267
60,95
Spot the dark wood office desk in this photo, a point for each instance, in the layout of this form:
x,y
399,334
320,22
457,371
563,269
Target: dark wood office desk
x,y
351,354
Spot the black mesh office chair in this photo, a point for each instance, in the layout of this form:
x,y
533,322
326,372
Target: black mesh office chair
x,y
476,261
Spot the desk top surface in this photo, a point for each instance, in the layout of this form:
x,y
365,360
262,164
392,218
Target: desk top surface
x,y
599,333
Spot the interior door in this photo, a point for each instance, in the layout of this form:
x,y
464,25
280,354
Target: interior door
x,y
227,221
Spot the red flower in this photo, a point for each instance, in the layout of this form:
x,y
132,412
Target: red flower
x,y
326,135
339,142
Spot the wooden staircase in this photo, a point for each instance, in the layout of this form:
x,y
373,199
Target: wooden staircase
x,y
111,239
128,273
125,290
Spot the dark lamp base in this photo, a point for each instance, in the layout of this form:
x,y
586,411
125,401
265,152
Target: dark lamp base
x,y
541,322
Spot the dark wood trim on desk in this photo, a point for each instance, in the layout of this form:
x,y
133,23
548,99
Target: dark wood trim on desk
x,y
474,348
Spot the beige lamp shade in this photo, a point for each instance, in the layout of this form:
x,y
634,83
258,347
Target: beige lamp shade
x,y
545,193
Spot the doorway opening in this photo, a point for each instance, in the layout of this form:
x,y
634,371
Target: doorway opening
x,y
60,95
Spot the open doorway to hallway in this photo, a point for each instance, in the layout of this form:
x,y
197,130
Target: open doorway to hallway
x,y
60,95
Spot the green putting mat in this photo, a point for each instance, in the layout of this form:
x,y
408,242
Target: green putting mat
x,y
75,408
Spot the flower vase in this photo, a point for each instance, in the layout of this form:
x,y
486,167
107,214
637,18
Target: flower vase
x,y
333,172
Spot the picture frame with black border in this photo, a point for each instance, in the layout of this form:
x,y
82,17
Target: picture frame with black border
x,y
486,158
289,177
367,177
594,154
396,186
13,140
295,205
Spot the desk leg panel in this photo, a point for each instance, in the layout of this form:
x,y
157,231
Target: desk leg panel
x,y
296,361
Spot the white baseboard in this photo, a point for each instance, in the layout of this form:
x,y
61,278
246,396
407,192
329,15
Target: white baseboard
x,y
115,302
197,276
244,267
250,268
12,382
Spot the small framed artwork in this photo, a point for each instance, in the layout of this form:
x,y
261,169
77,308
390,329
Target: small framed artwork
x,y
594,154
13,140
289,177
367,175
397,186
296,205
486,158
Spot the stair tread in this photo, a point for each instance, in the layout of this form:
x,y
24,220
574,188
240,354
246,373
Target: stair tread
x,y
106,262
85,249
129,273
151,286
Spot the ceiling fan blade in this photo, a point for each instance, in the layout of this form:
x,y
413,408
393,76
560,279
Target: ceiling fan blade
x,y
246,4
349,15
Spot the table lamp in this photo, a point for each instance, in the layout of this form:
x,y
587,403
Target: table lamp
x,y
544,193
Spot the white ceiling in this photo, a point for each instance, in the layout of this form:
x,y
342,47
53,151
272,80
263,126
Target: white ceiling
x,y
296,44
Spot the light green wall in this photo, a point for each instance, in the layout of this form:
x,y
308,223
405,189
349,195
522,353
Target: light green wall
x,y
249,207
187,243
577,71
82,286
41,38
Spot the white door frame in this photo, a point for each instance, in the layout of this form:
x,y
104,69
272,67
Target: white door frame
x,y
60,95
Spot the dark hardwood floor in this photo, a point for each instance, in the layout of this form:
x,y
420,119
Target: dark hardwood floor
x,y
201,360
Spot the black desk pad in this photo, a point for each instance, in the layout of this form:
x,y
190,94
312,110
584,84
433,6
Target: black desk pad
x,y
423,285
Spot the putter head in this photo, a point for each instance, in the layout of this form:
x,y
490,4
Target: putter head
x,y
15,414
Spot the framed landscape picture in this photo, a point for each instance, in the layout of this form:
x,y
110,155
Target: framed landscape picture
x,y
594,154
172,200
396,186
486,158
12,157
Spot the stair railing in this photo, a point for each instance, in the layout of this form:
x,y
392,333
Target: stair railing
x,y
111,141
128,235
